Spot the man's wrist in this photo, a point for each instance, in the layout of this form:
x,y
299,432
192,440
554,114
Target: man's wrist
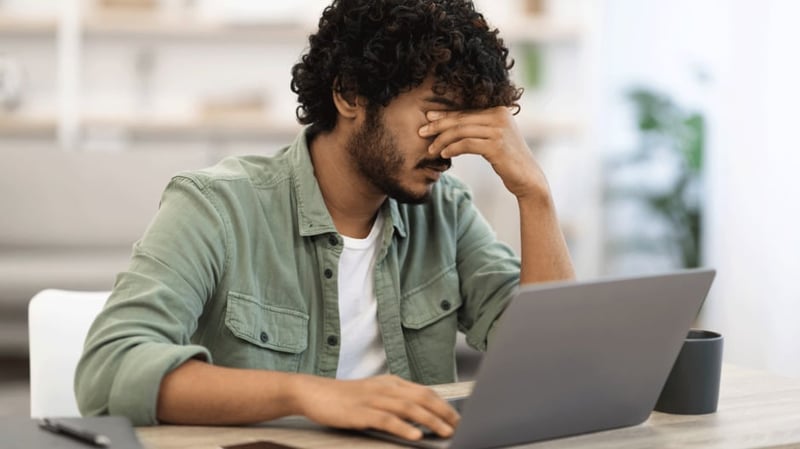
x,y
538,195
298,391
293,387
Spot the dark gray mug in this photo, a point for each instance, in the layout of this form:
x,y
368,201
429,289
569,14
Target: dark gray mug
x,y
692,387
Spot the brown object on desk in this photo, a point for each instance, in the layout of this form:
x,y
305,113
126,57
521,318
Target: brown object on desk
x,y
259,445
756,410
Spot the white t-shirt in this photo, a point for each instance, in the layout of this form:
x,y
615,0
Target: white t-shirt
x,y
361,352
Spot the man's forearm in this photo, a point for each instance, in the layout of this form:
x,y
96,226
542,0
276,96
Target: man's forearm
x,y
200,393
545,256
494,134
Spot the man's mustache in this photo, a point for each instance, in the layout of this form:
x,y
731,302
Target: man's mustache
x,y
438,163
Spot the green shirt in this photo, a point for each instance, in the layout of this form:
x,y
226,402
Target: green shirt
x,y
239,268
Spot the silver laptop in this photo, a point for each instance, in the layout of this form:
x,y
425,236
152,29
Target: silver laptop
x,y
577,357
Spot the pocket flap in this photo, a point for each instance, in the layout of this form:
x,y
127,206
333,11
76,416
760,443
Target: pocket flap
x,y
266,326
431,301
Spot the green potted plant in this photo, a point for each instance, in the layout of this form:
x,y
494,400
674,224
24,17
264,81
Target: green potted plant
x,y
667,134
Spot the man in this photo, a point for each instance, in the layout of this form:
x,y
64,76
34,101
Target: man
x,y
330,280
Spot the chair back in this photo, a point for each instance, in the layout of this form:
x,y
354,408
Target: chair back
x,y
58,321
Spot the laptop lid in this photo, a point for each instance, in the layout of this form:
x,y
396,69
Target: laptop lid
x,y
577,357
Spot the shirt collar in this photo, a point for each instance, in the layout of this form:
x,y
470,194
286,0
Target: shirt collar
x,y
397,220
313,217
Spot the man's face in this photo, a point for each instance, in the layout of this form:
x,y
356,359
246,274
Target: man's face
x,y
390,154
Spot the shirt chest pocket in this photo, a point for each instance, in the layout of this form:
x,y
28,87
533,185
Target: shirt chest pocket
x,y
430,323
269,337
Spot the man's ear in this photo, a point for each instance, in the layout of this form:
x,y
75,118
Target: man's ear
x,y
349,106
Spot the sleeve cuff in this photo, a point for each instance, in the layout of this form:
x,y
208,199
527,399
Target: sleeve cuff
x,y
482,331
134,393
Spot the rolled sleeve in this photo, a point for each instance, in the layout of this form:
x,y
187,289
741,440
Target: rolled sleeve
x,y
489,273
134,391
145,328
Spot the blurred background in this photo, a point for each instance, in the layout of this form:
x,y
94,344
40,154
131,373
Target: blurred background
x,y
667,131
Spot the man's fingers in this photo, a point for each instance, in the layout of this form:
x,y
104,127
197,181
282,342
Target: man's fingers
x,y
427,417
387,403
430,410
452,119
391,423
419,404
482,147
438,121
460,132
457,133
441,408
410,411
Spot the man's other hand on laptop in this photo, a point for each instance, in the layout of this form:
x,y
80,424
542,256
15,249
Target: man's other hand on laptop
x,y
386,403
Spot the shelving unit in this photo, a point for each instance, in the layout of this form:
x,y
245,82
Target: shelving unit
x,y
534,30
139,81
177,128
12,125
137,30
26,26
157,28
542,31
250,128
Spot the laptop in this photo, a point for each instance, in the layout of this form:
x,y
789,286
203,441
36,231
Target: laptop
x,y
569,358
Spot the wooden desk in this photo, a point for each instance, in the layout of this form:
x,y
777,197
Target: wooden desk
x,y
756,410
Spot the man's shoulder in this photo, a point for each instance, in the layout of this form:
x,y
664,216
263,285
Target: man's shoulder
x,y
252,171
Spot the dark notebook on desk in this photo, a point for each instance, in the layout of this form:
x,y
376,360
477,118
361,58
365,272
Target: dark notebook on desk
x,y
577,357
25,433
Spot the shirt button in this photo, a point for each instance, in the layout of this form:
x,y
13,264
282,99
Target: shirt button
x,y
445,305
328,273
264,337
333,340
333,240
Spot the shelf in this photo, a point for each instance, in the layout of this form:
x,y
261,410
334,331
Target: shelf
x,y
26,26
138,26
262,128
154,26
541,30
249,128
13,125
545,129
191,128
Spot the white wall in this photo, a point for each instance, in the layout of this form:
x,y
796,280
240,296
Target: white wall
x,y
750,51
753,239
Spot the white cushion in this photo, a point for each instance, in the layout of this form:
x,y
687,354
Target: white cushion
x,y
58,321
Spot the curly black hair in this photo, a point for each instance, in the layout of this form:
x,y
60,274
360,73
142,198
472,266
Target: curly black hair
x,y
378,49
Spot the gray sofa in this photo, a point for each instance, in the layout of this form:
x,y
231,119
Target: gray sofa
x,y
69,220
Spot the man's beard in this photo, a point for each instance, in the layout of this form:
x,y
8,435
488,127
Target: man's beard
x,y
378,160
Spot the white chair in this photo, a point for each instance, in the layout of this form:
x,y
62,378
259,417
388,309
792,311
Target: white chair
x,y
58,321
